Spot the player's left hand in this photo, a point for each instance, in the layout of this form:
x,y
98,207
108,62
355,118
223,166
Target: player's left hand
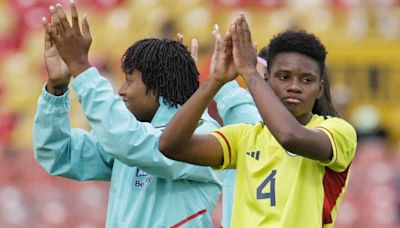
x,y
222,68
194,47
72,44
244,52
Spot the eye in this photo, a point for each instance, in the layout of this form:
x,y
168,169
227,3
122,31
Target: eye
x,y
284,77
128,82
307,79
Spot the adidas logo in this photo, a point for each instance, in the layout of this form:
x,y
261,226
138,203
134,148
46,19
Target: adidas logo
x,y
254,154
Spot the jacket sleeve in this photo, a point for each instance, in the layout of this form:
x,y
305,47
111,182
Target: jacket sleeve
x,y
128,140
62,151
235,105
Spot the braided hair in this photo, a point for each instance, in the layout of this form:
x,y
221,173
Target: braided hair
x,y
167,69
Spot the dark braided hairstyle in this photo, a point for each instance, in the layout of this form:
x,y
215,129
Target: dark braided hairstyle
x,y
167,69
307,44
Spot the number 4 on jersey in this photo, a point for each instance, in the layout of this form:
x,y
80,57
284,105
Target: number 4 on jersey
x,y
271,194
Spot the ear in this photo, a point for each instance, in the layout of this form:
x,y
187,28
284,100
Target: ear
x,y
321,89
266,75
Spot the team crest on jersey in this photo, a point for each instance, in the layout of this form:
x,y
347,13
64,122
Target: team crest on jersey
x,y
291,154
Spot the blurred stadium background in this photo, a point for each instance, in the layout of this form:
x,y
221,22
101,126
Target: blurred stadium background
x,y
362,38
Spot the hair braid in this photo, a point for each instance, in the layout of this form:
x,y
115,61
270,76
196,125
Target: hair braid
x,y
167,68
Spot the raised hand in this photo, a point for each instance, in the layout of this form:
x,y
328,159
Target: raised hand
x,y
72,44
194,48
244,52
57,70
222,68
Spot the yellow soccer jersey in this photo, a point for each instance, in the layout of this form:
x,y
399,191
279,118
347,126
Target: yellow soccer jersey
x,y
276,188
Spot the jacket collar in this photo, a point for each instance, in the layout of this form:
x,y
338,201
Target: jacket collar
x,y
164,114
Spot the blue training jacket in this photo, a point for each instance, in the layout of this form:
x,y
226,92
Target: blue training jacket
x,y
147,189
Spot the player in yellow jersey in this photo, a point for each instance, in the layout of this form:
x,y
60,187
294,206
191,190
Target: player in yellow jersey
x,y
291,170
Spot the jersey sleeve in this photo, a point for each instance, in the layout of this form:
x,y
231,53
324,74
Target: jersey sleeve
x,y
229,137
343,139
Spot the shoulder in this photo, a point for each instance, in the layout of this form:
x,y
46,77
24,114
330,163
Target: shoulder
x,y
336,123
338,128
243,128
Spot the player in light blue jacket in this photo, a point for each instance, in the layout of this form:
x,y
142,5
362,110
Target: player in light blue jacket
x,y
122,148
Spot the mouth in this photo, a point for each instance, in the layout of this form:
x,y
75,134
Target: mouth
x,y
292,100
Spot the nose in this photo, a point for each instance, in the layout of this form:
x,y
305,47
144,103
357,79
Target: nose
x,y
122,90
294,86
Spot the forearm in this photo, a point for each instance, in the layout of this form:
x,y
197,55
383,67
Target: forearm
x,y
59,149
291,134
180,129
279,120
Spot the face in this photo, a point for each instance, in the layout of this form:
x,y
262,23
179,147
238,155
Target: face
x,y
295,79
141,104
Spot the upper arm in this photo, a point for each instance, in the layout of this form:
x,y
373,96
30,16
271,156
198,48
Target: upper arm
x,y
310,143
202,149
330,138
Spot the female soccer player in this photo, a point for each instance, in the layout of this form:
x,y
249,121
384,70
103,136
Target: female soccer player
x,y
292,168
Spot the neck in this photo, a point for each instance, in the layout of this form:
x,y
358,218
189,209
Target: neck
x,y
304,119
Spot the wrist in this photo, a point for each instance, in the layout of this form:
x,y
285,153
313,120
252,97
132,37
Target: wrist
x,y
79,67
56,89
250,73
214,83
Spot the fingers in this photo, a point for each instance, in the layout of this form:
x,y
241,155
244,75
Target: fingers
x,y
51,32
234,35
74,16
241,33
47,38
228,45
86,29
239,28
63,18
245,30
179,37
194,49
55,20
218,38
216,32
217,48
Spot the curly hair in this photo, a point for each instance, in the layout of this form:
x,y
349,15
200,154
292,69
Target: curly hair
x,y
167,68
299,42
307,44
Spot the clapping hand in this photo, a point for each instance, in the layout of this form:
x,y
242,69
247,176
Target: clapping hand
x,y
57,70
72,44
